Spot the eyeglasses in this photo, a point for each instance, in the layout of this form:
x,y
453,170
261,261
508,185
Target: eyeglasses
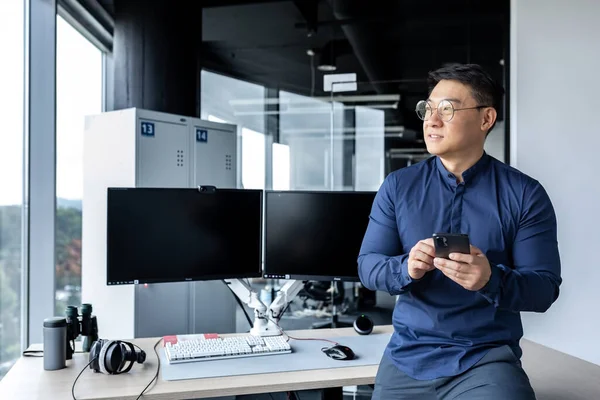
x,y
445,110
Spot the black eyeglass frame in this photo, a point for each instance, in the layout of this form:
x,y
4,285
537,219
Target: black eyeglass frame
x,y
426,102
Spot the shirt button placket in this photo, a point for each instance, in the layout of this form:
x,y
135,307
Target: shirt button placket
x,y
457,208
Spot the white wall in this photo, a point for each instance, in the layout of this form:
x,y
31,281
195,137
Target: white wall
x,y
555,137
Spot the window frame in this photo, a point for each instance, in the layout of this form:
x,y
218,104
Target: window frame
x,y
38,261
39,168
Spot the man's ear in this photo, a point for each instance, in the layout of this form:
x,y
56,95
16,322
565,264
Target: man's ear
x,y
489,115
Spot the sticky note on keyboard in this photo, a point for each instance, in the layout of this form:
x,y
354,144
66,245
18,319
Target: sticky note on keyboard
x,y
174,339
169,339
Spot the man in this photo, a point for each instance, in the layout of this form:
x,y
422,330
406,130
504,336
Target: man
x,y
457,321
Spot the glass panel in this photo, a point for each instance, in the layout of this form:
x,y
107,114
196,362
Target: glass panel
x,y
385,140
78,93
281,166
233,101
369,148
316,156
11,179
253,159
363,132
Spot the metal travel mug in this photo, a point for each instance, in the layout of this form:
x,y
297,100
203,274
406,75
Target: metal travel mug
x,y
55,343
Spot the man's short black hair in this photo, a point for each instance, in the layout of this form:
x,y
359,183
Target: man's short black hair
x,y
485,90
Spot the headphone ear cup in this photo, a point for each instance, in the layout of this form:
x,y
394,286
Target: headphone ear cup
x,y
115,357
141,356
132,354
100,351
94,357
110,356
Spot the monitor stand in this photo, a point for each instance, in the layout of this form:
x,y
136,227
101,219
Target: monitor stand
x,y
335,322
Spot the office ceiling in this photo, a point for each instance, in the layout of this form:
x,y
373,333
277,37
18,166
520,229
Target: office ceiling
x,y
390,45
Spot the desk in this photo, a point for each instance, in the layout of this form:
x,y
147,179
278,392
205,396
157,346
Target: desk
x,y
28,380
554,375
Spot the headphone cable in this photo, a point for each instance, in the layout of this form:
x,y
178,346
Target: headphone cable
x,y
81,372
157,368
143,391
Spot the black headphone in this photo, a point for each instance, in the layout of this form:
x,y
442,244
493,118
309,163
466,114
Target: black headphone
x,y
111,356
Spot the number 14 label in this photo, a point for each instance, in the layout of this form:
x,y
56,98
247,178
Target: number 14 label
x,y
201,135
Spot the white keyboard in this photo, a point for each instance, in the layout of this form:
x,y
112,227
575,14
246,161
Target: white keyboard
x,y
191,348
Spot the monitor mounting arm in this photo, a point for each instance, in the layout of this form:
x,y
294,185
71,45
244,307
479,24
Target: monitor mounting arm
x,y
285,295
265,319
249,297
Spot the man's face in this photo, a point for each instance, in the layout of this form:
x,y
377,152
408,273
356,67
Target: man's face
x,y
463,133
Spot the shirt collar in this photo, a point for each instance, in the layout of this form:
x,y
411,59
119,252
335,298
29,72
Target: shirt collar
x,y
469,173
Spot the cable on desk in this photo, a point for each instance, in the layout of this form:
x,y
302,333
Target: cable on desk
x,y
317,339
143,391
157,368
33,353
295,338
38,353
81,372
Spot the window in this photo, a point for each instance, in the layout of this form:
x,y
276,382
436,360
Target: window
x,y
11,179
228,100
78,93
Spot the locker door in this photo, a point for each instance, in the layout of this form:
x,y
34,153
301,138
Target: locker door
x,y
213,305
162,161
214,157
163,154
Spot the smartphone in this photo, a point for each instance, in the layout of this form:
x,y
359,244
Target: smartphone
x,y
446,243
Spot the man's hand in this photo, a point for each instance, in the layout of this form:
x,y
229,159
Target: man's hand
x,y
420,259
471,271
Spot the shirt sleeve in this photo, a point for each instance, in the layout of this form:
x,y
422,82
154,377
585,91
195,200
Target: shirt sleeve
x,y
380,264
532,283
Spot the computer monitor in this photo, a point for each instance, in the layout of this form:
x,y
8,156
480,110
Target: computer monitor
x,y
315,235
174,235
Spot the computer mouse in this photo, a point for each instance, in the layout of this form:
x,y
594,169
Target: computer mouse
x,y
339,352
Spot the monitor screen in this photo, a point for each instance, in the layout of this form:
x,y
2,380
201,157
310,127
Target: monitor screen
x,y
173,235
315,235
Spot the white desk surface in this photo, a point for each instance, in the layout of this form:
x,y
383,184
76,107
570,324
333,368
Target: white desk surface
x,y
554,375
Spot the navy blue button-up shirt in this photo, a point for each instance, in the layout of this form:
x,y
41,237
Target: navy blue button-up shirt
x,y
440,328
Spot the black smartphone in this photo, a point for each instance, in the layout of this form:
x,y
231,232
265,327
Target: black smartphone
x,y
446,243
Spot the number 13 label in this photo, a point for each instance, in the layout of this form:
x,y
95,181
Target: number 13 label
x,y
148,128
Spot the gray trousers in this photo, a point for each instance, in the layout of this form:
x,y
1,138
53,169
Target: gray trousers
x,y
498,376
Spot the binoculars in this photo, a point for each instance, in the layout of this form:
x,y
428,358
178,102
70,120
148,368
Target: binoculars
x,y
84,325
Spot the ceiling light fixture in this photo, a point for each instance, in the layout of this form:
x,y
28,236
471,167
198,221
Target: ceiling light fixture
x,y
326,67
327,60
329,53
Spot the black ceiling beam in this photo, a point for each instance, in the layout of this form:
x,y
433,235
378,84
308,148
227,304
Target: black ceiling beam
x,y
228,3
459,18
347,21
310,12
